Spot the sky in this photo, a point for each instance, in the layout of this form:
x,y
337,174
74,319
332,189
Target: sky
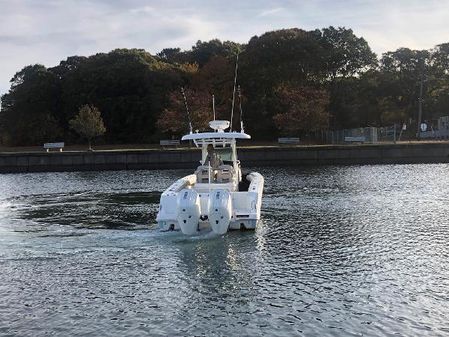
x,y
48,31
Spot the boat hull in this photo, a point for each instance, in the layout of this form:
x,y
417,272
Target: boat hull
x,y
216,209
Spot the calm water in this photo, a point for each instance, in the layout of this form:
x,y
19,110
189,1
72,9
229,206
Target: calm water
x,y
341,251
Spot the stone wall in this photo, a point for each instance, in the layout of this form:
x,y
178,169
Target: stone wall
x,y
251,156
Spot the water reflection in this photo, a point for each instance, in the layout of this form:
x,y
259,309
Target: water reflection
x,y
339,251
85,209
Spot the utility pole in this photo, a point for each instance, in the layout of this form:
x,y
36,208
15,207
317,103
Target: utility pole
x,y
420,106
420,99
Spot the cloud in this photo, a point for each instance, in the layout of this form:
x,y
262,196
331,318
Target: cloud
x,y
47,31
271,12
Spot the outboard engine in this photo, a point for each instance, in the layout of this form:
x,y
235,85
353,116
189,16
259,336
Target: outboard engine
x,y
188,211
220,210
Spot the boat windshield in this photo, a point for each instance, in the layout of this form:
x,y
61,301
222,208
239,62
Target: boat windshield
x,y
225,154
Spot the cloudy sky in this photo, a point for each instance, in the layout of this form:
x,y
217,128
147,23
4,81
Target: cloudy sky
x,y
47,31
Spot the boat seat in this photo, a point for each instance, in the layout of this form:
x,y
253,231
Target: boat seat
x,y
225,173
203,173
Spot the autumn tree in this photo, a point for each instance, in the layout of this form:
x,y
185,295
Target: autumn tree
x,y
303,109
216,78
174,120
213,78
88,123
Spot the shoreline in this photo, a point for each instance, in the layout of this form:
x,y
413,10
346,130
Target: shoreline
x,y
263,155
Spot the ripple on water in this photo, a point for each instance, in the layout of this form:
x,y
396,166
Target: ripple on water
x,y
340,251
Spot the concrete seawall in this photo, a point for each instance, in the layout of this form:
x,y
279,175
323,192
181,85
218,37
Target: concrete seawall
x,y
251,156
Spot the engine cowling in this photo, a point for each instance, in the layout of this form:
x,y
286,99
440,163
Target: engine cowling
x,y
188,211
220,210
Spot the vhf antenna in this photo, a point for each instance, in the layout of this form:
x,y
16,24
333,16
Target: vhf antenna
x,y
187,109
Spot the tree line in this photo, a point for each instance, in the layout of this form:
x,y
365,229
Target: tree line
x,y
293,83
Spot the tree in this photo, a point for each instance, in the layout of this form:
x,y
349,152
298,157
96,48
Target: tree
x,y
174,120
214,78
400,74
88,123
138,93
29,112
130,87
438,81
284,55
202,52
171,55
346,54
287,55
304,109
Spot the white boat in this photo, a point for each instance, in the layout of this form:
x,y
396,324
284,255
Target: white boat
x,y
215,197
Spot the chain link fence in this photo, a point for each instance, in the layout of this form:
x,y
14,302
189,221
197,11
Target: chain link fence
x,y
358,135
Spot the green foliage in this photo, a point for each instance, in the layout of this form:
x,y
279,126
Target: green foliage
x,y
399,76
88,123
348,54
170,54
279,71
30,109
130,87
202,52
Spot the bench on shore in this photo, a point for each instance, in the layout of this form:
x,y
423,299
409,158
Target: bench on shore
x,y
49,146
169,142
358,139
288,140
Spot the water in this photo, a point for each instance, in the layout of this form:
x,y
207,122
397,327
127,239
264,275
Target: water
x,y
341,251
